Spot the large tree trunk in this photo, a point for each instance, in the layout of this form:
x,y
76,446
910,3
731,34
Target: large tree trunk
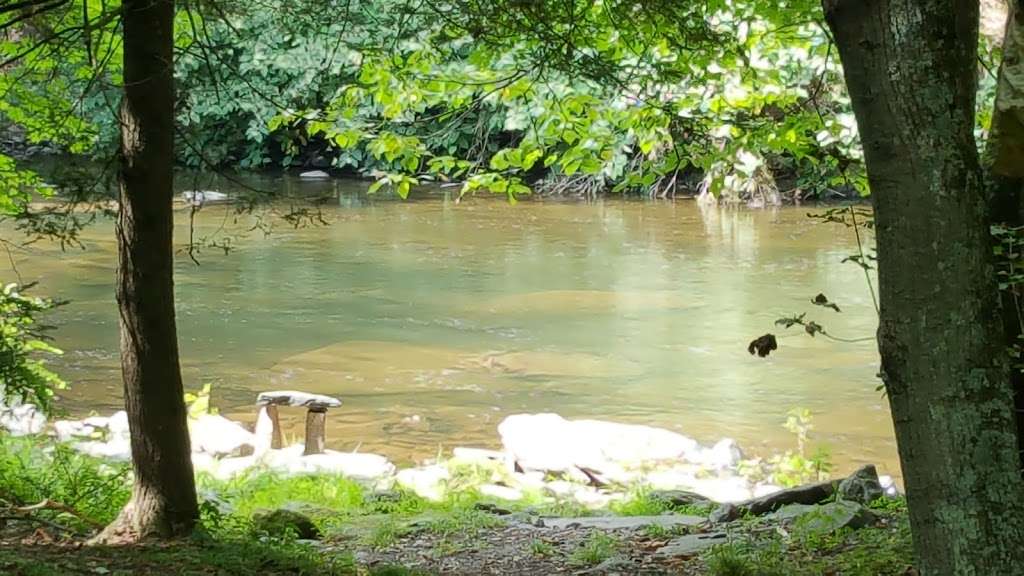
x,y
163,502
1005,161
911,72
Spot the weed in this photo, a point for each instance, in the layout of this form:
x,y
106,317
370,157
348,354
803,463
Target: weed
x,y
659,532
385,535
597,548
542,549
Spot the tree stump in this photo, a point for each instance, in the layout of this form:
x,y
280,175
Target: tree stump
x,y
315,435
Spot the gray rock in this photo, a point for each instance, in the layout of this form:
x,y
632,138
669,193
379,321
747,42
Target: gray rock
x,y
809,494
725,513
296,398
284,522
314,175
826,518
679,498
614,566
862,486
691,544
622,522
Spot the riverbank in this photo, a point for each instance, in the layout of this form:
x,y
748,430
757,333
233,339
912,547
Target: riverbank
x,y
269,523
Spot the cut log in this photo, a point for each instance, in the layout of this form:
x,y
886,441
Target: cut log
x,y
315,421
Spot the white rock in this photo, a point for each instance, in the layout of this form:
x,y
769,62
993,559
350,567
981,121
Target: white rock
x,y
429,482
230,467
478,454
762,489
315,175
501,492
676,478
889,486
119,449
723,455
561,488
22,420
97,422
218,436
199,197
263,432
529,480
724,489
551,443
67,430
117,424
203,462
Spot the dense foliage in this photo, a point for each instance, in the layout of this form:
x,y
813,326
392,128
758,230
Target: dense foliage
x,y
24,376
740,99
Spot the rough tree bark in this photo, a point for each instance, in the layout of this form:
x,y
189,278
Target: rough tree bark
x,y
910,67
163,502
1005,162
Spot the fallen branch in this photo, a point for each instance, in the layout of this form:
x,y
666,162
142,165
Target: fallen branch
x,y
48,504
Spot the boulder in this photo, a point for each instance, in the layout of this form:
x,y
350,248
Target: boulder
x,y
353,465
68,430
550,443
691,544
501,492
478,455
218,436
723,455
809,494
724,488
826,518
117,425
429,482
314,175
22,420
118,449
200,197
678,498
283,523
862,486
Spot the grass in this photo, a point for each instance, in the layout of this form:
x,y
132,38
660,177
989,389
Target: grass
x,y
659,532
234,557
227,543
642,502
542,549
884,550
597,548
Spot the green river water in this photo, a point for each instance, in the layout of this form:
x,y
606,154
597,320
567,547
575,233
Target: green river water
x,y
433,320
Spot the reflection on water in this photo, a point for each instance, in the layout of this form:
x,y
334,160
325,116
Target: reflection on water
x,y
434,320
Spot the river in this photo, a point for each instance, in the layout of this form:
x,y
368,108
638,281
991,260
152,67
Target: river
x,y
432,320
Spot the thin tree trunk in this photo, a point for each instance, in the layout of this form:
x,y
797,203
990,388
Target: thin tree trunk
x,y
163,502
1005,161
910,68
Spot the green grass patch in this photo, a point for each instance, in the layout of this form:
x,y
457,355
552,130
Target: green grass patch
x,y
884,550
230,557
597,548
